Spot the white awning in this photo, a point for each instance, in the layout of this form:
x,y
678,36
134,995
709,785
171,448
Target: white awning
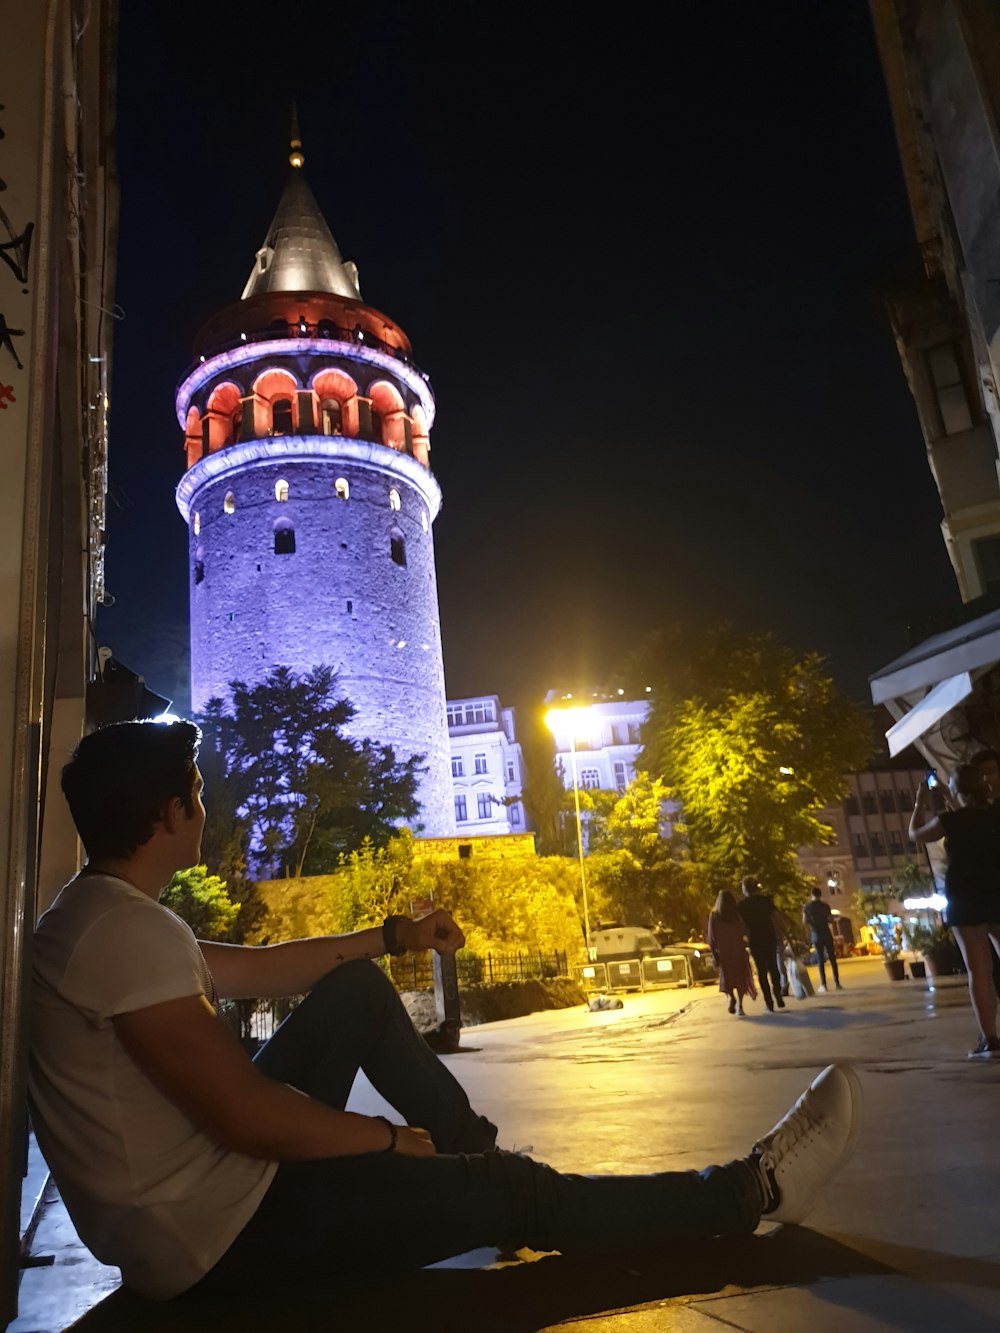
x,y
965,648
931,708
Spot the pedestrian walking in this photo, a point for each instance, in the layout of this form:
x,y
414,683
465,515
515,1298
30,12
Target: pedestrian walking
x,y
971,832
816,915
727,940
762,920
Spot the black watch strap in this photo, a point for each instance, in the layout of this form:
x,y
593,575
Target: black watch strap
x,y
390,936
393,1133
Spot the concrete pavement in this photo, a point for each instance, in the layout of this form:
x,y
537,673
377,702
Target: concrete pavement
x,y
906,1239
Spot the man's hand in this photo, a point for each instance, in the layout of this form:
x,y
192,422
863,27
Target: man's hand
x,y
412,1142
437,931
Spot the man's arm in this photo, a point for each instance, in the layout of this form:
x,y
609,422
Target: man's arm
x,y
241,972
190,1054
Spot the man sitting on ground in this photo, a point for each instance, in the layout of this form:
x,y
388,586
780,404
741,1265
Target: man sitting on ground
x,y
192,1167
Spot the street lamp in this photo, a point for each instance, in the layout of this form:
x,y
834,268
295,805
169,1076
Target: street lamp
x,y
554,719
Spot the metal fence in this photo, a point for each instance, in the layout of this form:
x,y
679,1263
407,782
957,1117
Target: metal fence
x,y
415,972
254,1021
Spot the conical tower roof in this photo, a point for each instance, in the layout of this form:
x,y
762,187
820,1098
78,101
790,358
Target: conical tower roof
x,y
299,253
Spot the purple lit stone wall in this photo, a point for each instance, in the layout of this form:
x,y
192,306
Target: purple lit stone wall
x,y
340,599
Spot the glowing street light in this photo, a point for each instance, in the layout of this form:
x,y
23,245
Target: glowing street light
x,y
556,719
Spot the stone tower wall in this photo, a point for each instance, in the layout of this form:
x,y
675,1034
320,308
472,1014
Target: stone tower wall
x,y
340,599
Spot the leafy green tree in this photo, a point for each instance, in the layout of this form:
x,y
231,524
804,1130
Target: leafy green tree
x,y
640,871
201,900
286,788
544,793
754,740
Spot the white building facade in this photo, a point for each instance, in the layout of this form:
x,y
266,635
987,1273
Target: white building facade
x,y
603,731
487,771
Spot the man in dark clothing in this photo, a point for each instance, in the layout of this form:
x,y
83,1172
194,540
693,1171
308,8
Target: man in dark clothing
x,y
816,915
758,912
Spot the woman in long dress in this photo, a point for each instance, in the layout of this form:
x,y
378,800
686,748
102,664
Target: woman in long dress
x,y
726,939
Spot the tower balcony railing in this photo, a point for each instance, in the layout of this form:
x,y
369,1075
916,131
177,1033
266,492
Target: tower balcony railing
x,y
357,336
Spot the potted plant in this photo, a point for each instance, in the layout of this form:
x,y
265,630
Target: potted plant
x,y
938,948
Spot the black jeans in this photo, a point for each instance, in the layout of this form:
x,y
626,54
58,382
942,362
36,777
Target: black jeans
x,y
765,956
333,1218
824,946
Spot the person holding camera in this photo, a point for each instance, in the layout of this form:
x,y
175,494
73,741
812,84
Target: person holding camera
x,y
971,830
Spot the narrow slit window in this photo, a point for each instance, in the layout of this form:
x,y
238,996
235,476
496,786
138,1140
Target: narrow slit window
x,y
229,503
342,488
196,524
199,571
281,491
394,500
284,539
397,549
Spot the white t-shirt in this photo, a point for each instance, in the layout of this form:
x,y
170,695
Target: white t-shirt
x,y
146,1189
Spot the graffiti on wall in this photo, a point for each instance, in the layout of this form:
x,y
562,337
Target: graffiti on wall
x,y
15,252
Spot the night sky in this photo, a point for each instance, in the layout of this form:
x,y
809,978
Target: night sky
x,y
643,264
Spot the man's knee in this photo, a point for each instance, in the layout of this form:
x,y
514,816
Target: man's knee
x,y
358,976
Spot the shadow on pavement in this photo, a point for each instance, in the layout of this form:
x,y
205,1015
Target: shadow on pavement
x,y
527,1296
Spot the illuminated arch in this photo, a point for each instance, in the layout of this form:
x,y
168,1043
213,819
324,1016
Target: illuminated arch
x,y
229,503
277,391
223,415
388,415
421,440
192,436
336,402
343,489
281,491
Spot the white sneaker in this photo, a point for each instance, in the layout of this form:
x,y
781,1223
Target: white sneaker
x,y
810,1145
821,990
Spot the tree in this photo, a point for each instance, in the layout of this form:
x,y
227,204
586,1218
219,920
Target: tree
x,y
286,787
544,792
640,872
201,900
755,741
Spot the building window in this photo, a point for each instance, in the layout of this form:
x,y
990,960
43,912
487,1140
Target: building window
x,y
480,763
199,571
987,553
868,802
281,491
851,806
511,771
589,777
461,813
457,766
394,501
284,538
860,845
484,804
331,416
621,775
514,814
281,416
949,388
905,798
376,418
397,549
887,800
878,846
196,523
895,842
229,503
455,716
342,488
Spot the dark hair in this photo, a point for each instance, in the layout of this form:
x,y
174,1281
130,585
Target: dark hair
x,y
985,757
120,777
748,884
725,907
969,783
817,892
